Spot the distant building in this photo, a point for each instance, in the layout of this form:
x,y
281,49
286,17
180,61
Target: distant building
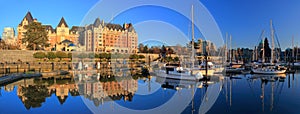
x,y
8,36
108,37
203,46
8,32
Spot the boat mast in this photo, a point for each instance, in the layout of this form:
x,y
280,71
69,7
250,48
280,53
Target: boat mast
x,y
253,54
293,50
193,53
296,52
263,55
230,50
226,51
263,50
272,38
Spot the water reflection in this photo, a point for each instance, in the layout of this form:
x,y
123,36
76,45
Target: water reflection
x,y
100,92
33,92
229,94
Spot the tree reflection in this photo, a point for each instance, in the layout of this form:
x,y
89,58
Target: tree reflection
x,y
33,92
33,96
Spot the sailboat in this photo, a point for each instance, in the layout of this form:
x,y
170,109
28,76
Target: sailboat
x,y
232,68
269,68
177,71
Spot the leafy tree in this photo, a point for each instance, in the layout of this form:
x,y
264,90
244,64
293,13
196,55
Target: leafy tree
x,y
35,36
39,55
170,51
61,55
141,48
154,50
146,50
51,55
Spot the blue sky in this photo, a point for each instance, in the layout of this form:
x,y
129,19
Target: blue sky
x,y
243,19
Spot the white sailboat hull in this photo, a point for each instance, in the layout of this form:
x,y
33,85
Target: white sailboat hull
x,y
267,71
234,70
179,76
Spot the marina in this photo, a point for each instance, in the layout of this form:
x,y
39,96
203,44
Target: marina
x,y
150,57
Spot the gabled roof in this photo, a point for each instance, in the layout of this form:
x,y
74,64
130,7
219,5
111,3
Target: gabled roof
x,y
61,22
97,22
74,28
49,28
28,17
114,26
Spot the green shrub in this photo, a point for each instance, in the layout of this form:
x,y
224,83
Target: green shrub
x,y
51,55
141,56
39,55
91,55
61,55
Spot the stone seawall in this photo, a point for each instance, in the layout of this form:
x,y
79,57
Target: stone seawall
x,y
15,55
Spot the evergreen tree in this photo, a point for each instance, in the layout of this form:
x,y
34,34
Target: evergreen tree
x,y
266,49
35,36
163,51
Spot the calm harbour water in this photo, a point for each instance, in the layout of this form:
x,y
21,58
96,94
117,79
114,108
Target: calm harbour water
x,y
235,95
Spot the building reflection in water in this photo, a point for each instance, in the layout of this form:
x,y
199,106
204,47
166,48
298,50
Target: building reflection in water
x,y
33,92
100,92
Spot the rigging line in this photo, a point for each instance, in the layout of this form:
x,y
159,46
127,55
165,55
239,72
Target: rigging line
x,y
276,36
260,36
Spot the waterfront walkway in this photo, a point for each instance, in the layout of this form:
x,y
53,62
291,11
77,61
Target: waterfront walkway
x,y
16,76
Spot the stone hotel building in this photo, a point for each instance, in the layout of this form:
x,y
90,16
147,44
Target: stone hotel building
x,y
108,37
96,37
